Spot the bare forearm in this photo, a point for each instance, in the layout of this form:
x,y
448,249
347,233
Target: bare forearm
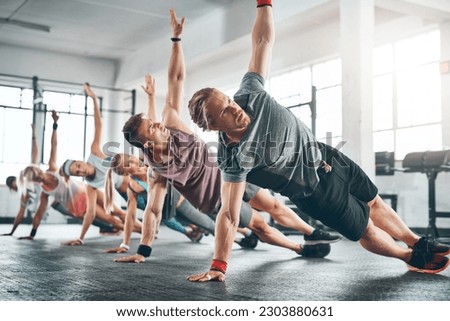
x,y
129,225
263,28
149,226
151,112
177,68
97,115
87,221
263,37
18,219
34,150
224,236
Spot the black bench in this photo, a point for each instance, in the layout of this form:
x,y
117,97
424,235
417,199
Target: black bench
x,y
431,163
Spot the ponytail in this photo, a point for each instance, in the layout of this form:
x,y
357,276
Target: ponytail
x,y
109,192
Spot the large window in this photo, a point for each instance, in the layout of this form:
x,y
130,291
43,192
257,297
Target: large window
x,y
71,143
295,88
15,129
16,117
407,91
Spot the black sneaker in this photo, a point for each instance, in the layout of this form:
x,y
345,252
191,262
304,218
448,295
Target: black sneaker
x,y
428,244
195,235
318,250
427,262
248,242
319,236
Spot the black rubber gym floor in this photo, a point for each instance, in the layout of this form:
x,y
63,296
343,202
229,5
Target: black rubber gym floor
x,y
45,270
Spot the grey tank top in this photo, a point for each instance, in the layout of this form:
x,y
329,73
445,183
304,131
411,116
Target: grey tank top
x,y
194,174
101,166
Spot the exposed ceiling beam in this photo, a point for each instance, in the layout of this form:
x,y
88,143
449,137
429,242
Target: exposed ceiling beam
x,y
24,24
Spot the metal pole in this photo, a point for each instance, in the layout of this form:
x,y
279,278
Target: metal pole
x,y
133,102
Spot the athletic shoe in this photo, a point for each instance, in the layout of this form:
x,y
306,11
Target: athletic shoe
x,y
317,250
428,244
248,242
427,262
195,235
319,236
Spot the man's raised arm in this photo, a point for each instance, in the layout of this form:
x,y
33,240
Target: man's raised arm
x,y
176,74
263,36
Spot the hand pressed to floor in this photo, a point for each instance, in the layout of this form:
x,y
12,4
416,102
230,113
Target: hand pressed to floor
x,y
136,258
207,276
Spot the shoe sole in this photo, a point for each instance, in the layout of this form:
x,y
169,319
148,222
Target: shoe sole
x,y
414,269
443,253
321,242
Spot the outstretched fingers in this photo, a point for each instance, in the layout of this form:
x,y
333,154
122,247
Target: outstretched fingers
x,y
207,276
136,258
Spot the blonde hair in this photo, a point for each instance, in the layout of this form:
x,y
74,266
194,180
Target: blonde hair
x,y
116,162
26,179
109,192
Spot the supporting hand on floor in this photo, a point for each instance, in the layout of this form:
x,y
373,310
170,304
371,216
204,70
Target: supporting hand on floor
x,y
26,238
73,243
118,249
136,258
208,276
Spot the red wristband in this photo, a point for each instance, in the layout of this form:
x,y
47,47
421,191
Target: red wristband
x,y
263,3
218,265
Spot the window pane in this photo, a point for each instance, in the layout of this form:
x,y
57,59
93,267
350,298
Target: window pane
x,y
27,98
304,114
292,88
57,101
10,96
329,111
383,59
2,134
418,139
10,169
327,74
419,95
334,141
77,103
383,141
382,102
17,136
417,50
70,138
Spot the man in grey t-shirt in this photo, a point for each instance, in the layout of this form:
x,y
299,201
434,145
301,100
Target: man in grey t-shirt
x,y
263,143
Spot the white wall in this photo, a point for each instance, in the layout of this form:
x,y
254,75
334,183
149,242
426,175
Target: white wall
x,y
30,62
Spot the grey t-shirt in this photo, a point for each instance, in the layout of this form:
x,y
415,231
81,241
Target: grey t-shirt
x,y
277,151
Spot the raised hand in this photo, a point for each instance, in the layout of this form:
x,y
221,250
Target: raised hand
x,y
136,258
88,91
177,27
149,88
55,116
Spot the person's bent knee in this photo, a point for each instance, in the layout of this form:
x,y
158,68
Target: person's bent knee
x,y
258,224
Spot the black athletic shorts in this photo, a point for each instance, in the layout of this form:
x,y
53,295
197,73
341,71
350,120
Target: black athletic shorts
x,y
340,199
